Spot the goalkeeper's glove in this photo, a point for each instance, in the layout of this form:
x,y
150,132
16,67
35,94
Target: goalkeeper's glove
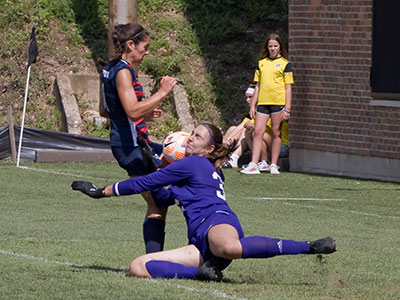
x,y
88,188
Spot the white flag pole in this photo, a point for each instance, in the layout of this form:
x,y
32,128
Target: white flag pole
x,y
23,115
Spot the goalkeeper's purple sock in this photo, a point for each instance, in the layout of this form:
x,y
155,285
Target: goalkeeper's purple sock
x,y
263,247
166,269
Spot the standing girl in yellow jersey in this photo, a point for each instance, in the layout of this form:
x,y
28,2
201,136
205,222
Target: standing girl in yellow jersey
x,y
272,99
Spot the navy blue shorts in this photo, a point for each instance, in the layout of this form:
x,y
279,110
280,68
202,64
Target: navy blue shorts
x,y
269,109
131,159
200,240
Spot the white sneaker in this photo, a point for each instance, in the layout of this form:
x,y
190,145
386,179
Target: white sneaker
x,y
229,165
263,166
274,169
233,163
252,168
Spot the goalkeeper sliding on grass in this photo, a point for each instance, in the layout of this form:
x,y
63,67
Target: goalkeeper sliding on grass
x,y
215,234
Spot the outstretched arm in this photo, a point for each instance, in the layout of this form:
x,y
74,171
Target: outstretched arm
x,y
161,196
91,190
175,172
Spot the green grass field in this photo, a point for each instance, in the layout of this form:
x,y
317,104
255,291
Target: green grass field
x,y
59,244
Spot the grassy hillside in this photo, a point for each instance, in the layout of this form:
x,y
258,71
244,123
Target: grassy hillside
x,y
211,45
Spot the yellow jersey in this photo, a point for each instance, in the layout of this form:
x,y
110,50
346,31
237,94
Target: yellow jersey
x,y
272,75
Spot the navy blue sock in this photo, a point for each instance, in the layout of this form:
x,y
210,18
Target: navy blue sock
x,y
153,234
263,247
166,269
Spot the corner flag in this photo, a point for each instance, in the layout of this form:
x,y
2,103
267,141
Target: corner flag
x,y
33,49
33,53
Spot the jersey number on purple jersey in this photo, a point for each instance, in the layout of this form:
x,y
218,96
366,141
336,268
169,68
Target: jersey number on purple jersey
x,y
220,193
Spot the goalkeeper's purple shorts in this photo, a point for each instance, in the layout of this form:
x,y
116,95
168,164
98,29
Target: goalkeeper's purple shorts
x,y
199,238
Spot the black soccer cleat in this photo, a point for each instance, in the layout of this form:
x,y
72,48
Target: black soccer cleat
x,y
322,246
209,272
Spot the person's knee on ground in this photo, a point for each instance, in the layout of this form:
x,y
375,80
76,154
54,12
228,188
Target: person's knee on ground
x,y
137,268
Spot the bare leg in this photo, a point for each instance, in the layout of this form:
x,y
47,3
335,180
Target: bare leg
x,y
276,120
153,211
187,256
267,140
234,132
264,150
259,129
224,242
265,145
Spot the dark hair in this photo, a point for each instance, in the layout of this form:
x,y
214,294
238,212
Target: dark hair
x,y
264,50
126,32
222,150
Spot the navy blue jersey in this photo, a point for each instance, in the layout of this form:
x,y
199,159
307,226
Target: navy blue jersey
x,y
123,129
194,184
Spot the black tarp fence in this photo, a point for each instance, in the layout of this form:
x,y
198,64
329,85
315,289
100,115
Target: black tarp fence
x,y
39,139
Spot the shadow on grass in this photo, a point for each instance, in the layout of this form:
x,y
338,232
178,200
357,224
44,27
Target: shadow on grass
x,y
88,16
100,269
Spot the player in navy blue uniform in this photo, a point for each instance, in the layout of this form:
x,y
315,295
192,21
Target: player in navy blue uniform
x,y
214,232
122,102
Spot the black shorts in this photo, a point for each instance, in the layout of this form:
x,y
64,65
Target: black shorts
x,y
269,109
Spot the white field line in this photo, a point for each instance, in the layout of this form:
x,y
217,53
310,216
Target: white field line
x,y
354,212
30,239
27,256
291,199
61,173
214,293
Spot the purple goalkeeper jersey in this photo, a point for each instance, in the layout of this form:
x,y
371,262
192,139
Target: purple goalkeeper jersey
x,y
194,185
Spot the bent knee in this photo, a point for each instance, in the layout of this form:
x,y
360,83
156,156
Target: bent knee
x,y
137,268
228,250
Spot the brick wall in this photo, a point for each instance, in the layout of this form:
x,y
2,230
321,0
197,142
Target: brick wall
x,y
330,45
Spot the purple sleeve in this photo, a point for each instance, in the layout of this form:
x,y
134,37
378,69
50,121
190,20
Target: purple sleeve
x,y
163,197
173,173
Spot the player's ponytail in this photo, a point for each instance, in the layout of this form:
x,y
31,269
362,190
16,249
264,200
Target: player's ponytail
x,y
222,150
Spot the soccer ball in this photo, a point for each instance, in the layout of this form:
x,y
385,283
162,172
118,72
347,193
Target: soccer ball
x,y
174,145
